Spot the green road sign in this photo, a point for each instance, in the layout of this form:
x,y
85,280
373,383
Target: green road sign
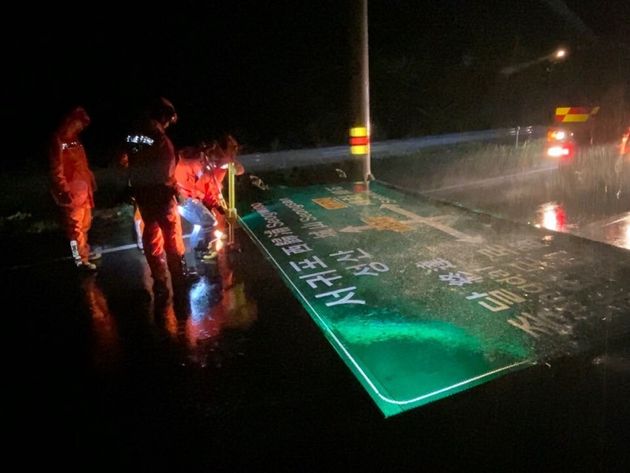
x,y
423,299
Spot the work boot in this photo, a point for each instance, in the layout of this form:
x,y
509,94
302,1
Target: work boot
x,y
86,266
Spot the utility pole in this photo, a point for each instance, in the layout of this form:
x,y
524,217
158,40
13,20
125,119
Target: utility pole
x,y
360,128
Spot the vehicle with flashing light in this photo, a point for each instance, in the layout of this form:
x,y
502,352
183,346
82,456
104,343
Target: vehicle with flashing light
x,y
589,153
570,135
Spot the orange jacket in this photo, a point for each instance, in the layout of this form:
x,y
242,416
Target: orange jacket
x,y
196,180
73,183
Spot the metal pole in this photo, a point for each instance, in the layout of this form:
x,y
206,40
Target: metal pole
x,y
359,145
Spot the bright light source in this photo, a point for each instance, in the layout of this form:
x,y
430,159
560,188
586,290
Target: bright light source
x,y
553,217
559,54
550,220
559,135
558,151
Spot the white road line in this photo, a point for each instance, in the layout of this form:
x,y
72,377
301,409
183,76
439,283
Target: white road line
x,y
104,251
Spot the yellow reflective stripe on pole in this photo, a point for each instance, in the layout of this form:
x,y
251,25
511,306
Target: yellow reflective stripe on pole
x,y
359,140
363,149
358,131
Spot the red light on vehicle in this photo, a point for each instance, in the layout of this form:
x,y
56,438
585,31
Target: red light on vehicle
x,y
564,151
568,151
556,151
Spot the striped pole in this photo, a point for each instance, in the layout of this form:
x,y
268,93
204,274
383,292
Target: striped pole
x,y
359,141
360,131
231,191
232,213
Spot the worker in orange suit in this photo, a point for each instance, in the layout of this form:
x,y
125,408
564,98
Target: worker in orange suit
x,y
195,179
73,185
219,156
152,160
199,173
201,170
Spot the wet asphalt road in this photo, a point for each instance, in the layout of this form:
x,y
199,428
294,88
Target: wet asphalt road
x,y
542,198
591,200
106,380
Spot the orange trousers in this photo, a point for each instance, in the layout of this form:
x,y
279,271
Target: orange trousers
x,y
77,221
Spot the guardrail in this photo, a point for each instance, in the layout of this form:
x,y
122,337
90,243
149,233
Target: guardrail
x,y
381,149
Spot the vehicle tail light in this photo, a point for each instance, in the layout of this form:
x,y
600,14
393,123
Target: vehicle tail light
x,y
565,151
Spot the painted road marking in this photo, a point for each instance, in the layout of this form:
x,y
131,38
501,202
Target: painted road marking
x,y
115,249
436,222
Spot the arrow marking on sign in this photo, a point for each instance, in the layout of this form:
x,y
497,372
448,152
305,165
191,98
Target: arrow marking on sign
x,y
433,222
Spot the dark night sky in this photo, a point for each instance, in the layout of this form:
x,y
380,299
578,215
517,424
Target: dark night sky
x,y
261,69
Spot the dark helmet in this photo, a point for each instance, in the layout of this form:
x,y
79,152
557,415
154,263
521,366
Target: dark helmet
x,y
163,111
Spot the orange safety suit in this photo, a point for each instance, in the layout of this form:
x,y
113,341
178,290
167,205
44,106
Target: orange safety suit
x,y
199,174
198,178
201,171
73,183
152,161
